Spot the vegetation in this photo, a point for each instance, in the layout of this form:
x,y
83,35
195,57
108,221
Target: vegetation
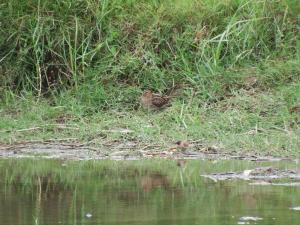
x,y
85,63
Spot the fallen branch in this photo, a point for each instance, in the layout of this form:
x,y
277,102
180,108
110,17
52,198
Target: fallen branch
x,y
150,146
58,126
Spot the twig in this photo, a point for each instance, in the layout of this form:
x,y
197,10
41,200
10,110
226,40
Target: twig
x,y
61,139
28,129
40,141
149,146
125,131
58,126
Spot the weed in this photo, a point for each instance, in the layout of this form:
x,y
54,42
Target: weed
x,y
89,61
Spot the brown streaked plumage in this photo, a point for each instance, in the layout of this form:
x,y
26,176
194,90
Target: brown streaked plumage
x,y
152,101
250,82
182,144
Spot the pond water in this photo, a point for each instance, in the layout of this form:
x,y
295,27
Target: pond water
x,y
139,193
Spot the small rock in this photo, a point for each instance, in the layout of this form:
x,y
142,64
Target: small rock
x,y
250,218
242,222
297,208
260,183
214,161
247,172
88,215
291,184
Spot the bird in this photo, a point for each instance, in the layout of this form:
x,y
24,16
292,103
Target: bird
x,y
182,144
250,82
154,101
181,163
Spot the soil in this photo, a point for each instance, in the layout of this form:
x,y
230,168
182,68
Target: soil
x,y
260,174
122,150
131,150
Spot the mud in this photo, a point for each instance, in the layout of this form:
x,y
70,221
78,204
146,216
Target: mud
x,y
263,174
121,150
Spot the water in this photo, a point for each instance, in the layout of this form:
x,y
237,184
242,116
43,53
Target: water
x,y
137,194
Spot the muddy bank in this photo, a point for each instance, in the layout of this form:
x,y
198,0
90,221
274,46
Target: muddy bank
x,y
130,150
259,173
121,150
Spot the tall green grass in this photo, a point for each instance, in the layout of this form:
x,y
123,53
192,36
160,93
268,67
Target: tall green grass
x,y
100,53
66,61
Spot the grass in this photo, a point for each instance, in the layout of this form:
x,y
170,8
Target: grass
x,y
77,69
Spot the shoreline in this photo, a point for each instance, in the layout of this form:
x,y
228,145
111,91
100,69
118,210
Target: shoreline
x,y
123,151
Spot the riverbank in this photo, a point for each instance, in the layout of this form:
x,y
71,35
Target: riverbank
x,y
74,72
251,120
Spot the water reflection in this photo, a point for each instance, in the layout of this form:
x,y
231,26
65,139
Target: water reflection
x,y
154,180
132,196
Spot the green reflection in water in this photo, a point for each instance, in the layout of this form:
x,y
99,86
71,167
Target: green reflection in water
x,y
137,192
